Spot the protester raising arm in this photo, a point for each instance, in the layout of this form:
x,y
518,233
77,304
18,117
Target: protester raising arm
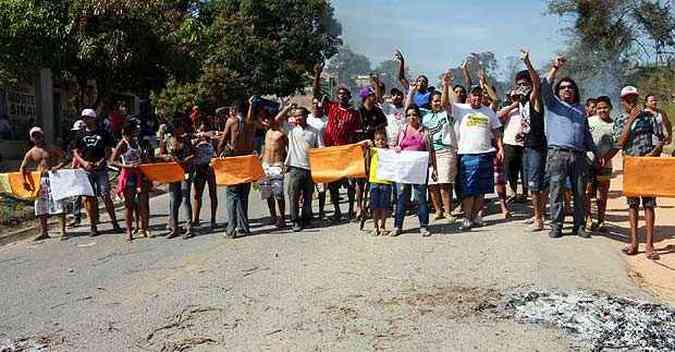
x,y
398,56
487,87
378,87
466,73
448,95
535,100
316,91
283,113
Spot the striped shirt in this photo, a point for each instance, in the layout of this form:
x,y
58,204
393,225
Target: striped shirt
x,y
342,124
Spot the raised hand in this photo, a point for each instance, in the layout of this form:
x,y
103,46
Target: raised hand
x,y
318,68
398,55
559,61
524,55
448,78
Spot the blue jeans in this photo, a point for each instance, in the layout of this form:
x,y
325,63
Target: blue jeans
x,y
535,168
179,194
236,207
563,164
420,197
300,182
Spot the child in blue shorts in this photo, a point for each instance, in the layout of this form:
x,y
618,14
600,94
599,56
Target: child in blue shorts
x,y
380,190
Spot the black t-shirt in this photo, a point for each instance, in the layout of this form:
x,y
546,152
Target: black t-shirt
x,y
536,137
92,145
371,120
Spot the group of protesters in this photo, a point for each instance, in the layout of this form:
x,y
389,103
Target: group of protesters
x,y
559,150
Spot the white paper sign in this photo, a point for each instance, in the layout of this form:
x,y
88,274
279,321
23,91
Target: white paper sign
x,y
404,167
69,183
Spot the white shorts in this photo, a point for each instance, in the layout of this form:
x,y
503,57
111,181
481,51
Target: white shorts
x,y
446,165
273,183
45,204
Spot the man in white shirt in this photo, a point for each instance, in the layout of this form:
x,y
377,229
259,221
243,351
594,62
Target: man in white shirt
x,y
513,145
301,138
317,120
476,127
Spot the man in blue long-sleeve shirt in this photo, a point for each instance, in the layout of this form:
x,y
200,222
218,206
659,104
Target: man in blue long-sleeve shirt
x,y
569,138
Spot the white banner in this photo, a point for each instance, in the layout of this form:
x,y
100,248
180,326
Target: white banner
x,y
403,167
69,183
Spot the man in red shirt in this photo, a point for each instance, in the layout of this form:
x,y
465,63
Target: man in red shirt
x,y
343,122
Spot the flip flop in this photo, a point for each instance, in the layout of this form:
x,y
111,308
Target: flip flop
x,y
630,250
651,254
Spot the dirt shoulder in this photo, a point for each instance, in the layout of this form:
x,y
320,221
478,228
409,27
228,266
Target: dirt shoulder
x,y
658,277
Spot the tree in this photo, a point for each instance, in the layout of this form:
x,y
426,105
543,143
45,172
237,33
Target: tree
x,y
264,47
124,45
603,43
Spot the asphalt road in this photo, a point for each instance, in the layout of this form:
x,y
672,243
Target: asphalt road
x,y
323,289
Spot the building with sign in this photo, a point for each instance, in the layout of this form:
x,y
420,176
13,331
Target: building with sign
x,y
45,102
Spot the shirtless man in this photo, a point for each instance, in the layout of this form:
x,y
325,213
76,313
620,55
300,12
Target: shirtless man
x,y
273,157
238,139
46,158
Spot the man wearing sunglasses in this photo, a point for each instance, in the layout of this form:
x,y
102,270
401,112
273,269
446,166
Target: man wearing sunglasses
x,y
568,137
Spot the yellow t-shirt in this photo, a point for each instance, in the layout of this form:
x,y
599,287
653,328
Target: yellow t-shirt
x,y
374,158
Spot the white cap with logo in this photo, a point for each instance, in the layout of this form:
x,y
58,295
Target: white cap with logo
x,y
78,125
35,130
629,90
89,113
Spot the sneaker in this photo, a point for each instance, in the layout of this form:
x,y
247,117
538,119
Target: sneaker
x,y
425,232
297,227
73,223
581,232
477,221
397,231
555,234
465,225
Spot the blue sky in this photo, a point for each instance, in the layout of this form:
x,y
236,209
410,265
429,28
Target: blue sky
x,y
436,34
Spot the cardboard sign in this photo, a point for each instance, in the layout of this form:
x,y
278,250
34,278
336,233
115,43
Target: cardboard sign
x,y
335,163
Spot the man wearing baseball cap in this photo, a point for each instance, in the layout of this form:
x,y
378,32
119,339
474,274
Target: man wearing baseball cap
x,y
634,132
45,158
92,150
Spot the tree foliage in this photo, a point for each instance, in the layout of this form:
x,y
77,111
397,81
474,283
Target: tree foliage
x,y
122,45
246,47
608,39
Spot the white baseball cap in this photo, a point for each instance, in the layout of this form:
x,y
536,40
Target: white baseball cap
x,y
78,125
629,90
35,130
89,113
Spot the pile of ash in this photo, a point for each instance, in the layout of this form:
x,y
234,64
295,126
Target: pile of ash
x,y
595,321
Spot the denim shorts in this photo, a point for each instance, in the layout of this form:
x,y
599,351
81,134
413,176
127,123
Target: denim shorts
x,y
380,196
99,181
535,169
647,202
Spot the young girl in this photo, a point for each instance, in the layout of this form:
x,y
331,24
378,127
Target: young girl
x,y
601,126
380,190
179,149
127,156
204,174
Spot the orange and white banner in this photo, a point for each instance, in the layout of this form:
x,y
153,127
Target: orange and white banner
x,y
237,170
168,172
13,183
648,177
334,163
